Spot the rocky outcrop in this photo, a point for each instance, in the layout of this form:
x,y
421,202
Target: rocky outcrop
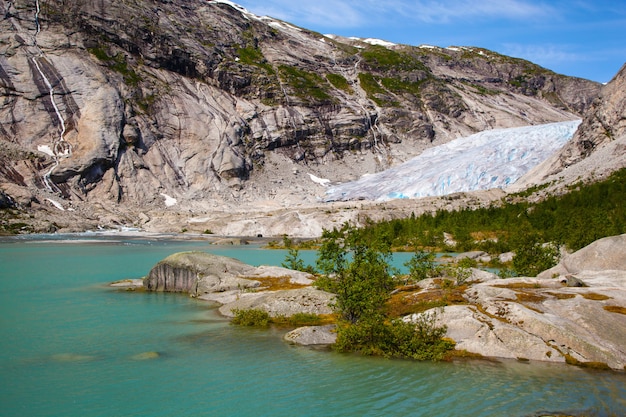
x,y
198,273
283,303
118,108
234,284
576,318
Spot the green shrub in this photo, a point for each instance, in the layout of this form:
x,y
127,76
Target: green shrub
x,y
357,270
532,257
251,317
467,263
422,340
304,319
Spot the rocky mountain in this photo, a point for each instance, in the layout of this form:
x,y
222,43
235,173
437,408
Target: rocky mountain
x,y
597,148
165,114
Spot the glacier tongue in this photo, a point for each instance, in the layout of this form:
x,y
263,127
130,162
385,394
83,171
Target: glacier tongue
x,y
489,159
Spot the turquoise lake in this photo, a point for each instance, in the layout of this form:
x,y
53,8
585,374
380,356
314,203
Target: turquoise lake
x,y
72,346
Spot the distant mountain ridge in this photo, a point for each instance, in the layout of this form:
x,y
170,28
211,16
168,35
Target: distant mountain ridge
x,y
113,109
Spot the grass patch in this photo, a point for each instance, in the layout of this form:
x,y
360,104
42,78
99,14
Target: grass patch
x,y
373,90
615,309
118,64
339,82
251,318
303,319
385,59
529,297
260,318
253,56
403,303
595,296
276,283
561,295
308,86
570,360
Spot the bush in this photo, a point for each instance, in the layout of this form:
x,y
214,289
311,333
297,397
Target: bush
x,y
292,259
251,317
304,319
422,340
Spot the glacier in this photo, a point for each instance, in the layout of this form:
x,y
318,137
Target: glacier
x,y
489,159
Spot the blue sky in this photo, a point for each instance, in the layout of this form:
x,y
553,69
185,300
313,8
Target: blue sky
x,y
582,38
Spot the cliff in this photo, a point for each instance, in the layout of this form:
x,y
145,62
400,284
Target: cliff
x,y
124,112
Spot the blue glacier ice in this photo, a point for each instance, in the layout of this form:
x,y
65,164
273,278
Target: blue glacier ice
x,y
489,159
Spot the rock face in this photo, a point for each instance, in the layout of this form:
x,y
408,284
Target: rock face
x,y
597,148
232,283
113,109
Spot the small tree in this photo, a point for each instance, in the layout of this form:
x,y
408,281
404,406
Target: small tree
x,y
292,259
357,270
532,257
422,265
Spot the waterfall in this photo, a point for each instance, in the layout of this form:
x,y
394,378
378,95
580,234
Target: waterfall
x,y
60,148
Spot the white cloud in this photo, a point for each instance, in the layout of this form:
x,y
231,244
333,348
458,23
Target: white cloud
x,y
545,55
452,10
353,13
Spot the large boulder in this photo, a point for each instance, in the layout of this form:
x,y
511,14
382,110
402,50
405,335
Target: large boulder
x,y
604,254
199,273
313,335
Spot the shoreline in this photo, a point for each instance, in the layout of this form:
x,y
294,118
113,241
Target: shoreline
x,y
140,235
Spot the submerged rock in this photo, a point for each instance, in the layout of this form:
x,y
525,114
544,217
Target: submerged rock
x,y
144,356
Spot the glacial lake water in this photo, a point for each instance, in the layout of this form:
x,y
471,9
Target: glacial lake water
x,y
72,346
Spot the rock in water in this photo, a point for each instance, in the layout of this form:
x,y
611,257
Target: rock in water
x,y
313,335
199,273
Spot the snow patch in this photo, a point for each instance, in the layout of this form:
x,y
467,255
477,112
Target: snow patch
x,y
490,159
379,42
235,6
281,25
169,201
321,181
56,204
45,149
